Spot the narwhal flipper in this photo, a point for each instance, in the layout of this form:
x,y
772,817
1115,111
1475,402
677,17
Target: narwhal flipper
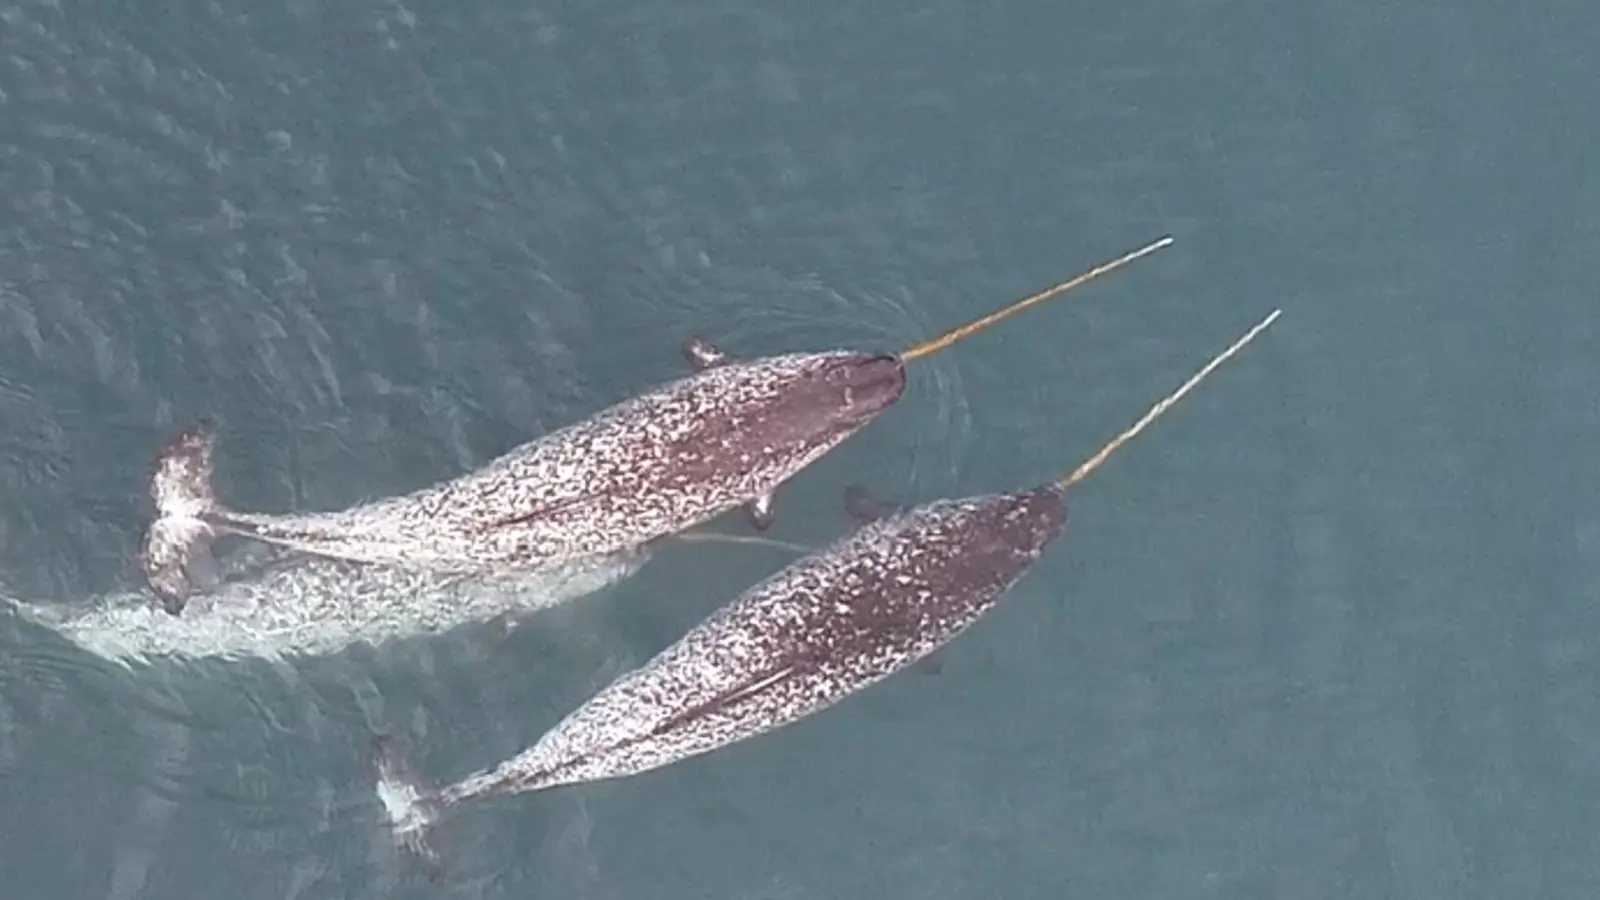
x,y
702,355
866,508
177,545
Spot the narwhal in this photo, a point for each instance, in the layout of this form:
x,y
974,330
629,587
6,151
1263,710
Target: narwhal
x,y
664,461
267,602
815,632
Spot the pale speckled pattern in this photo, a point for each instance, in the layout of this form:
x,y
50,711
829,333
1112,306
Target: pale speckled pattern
x,y
824,627
647,467
303,606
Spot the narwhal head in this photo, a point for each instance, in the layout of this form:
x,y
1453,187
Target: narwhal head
x,y
848,391
812,401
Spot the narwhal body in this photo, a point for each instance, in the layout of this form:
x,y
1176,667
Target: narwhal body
x,y
651,466
279,604
664,461
826,626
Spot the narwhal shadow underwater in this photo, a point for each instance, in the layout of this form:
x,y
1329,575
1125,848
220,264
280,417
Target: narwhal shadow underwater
x,y
826,626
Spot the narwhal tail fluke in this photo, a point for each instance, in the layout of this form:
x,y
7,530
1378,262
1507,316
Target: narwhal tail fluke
x,y
181,532
411,806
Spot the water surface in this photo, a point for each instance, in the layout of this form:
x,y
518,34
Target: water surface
x,y
1328,631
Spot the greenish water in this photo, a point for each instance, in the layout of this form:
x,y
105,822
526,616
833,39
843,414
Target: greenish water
x,y
1330,630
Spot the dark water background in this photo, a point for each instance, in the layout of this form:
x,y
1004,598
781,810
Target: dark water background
x,y
1331,630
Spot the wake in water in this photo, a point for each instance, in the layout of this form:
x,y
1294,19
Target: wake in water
x,y
271,603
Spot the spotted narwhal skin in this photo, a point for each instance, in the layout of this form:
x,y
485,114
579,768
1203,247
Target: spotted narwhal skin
x,y
292,606
648,467
815,632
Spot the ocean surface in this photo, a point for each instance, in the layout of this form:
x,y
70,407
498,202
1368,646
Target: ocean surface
x,y
1330,630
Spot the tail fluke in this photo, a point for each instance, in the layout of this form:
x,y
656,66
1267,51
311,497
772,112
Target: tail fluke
x,y
410,805
180,487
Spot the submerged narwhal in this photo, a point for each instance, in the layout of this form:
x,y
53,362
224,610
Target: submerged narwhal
x,y
670,458
825,627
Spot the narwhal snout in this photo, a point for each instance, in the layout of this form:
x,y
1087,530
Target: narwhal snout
x,y
866,386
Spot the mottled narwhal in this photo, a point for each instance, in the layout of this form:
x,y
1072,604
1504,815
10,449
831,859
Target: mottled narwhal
x,y
664,461
828,625
267,602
